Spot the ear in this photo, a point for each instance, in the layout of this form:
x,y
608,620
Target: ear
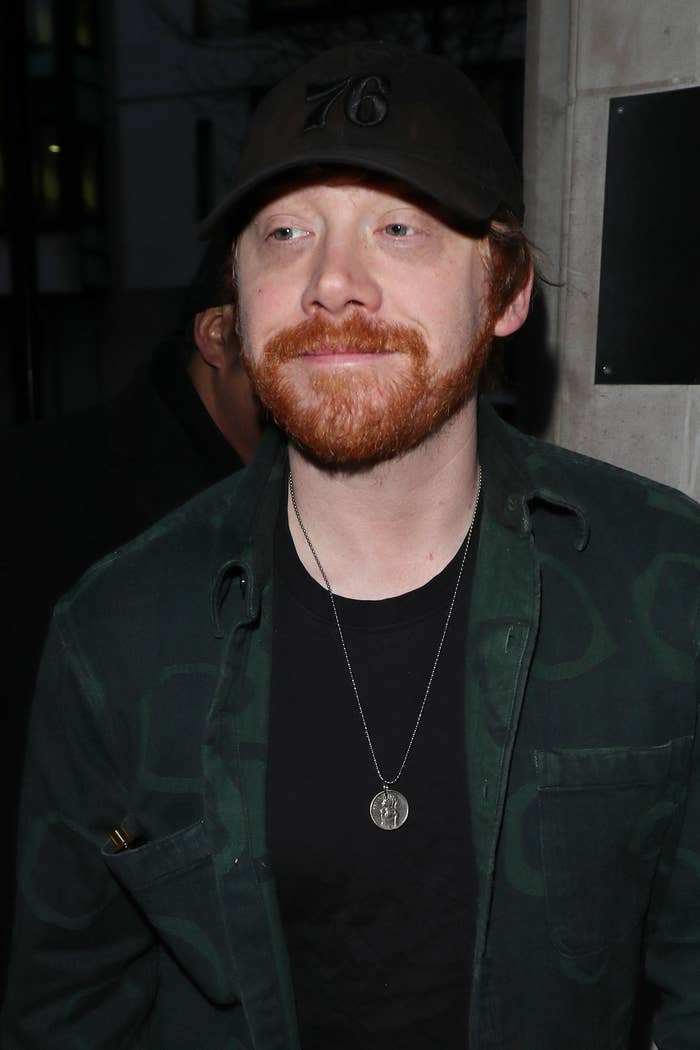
x,y
515,313
211,330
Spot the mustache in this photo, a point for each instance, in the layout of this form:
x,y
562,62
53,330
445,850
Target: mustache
x,y
355,334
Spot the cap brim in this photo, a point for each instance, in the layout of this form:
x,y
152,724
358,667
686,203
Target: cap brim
x,y
466,199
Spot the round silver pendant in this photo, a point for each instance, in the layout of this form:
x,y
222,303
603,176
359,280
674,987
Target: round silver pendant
x,y
388,809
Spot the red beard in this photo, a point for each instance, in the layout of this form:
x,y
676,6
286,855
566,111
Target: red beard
x,y
357,417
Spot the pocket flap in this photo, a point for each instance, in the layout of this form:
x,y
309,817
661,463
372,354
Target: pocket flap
x,y
592,767
140,865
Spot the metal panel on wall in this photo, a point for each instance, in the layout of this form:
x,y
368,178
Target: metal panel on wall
x,y
649,308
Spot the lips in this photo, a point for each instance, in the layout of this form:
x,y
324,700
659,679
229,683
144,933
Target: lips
x,y
343,351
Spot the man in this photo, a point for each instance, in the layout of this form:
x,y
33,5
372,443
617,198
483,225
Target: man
x,y
84,484
390,740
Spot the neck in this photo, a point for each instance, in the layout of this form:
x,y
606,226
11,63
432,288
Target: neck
x,y
388,529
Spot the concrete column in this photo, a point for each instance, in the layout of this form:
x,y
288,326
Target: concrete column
x,y
580,54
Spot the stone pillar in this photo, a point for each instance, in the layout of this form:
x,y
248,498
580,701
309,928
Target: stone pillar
x,y
580,54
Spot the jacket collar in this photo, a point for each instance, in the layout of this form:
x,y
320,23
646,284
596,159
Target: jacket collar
x,y
245,528
523,472
520,474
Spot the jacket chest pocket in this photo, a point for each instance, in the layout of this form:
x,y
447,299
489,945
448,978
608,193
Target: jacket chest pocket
x,y
604,814
174,883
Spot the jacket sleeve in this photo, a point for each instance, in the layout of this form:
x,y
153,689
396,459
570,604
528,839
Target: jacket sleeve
x,y
81,975
673,933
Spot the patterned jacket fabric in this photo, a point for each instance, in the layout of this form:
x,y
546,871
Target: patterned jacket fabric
x,y
582,751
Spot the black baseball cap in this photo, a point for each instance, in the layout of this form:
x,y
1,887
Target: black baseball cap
x,y
386,109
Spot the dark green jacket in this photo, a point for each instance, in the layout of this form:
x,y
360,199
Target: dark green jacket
x,y
584,772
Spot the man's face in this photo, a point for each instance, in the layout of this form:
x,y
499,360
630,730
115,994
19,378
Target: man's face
x,y
362,317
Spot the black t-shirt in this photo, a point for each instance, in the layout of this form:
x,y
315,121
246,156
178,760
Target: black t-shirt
x,y
379,924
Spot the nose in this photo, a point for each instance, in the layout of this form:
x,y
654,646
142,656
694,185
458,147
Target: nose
x,y
341,279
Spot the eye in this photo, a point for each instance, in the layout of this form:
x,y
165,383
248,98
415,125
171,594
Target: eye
x,y
399,229
287,233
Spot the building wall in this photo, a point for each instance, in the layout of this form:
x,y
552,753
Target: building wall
x,y
580,54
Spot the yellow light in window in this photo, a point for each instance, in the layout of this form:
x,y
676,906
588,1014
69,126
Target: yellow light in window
x,y
54,148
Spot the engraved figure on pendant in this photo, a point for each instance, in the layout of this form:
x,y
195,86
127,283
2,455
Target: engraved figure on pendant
x,y
388,809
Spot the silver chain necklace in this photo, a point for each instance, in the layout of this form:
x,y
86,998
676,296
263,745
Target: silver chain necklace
x,y
389,808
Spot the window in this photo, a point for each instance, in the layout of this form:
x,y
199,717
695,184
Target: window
x,y
48,174
86,35
40,23
90,174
